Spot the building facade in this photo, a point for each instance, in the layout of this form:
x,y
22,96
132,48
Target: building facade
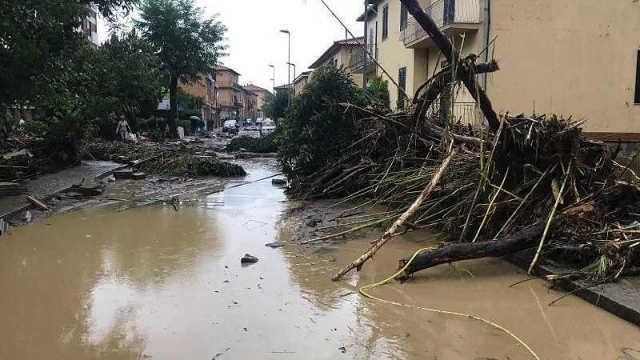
x,y
340,54
552,57
230,94
205,90
301,81
262,94
89,26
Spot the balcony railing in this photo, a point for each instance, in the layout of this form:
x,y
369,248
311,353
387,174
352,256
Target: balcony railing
x,y
461,111
443,13
357,60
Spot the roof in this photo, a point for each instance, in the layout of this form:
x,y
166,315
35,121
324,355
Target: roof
x,y
225,68
304,74
255,88
283,87
335,47
249,91
373,10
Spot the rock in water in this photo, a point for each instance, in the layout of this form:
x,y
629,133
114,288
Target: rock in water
x,y
274,245
248,259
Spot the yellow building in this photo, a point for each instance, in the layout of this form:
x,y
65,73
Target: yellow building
x,y
205,90
340,54
571,58
230,94
300,82
262,94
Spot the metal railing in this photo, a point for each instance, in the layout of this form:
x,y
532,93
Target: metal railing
x,y
443,13
461,111
356,62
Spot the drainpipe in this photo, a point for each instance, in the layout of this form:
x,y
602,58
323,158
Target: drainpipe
x,y
365,49
487,40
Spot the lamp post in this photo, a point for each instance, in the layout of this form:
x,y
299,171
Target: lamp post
x,y
366,45
289,56
274,76
294,71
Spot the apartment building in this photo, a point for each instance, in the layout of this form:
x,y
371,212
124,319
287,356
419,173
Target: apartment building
x,y
230,94
250,104
205,90
89,26
571,58
301,81
340,54
262,94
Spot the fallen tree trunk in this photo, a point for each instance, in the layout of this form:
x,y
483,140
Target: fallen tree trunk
x,y
465,73
357,264
525,239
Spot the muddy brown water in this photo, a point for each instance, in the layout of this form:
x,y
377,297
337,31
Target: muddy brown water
x,y
152,283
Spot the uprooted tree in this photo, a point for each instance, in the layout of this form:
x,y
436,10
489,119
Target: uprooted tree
x,y
523,183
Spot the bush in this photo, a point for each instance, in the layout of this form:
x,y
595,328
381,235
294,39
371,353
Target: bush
x,y
379,90
265,144
318,127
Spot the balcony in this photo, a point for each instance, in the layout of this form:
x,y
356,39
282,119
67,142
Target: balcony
x,y
452,17
356,62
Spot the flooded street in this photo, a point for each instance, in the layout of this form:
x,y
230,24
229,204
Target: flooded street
x,y
153,283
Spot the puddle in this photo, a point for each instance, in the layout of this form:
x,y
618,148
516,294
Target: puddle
x,y
153,283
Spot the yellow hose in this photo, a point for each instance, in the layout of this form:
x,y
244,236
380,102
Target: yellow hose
x,y
363,291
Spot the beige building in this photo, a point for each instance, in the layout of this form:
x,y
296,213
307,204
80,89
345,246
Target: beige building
x,y
205,90
230,94
301,81
340,55
262,94
250,104
571,58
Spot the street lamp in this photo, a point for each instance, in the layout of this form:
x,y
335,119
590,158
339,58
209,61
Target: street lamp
x,y
289,56
294,70
274,76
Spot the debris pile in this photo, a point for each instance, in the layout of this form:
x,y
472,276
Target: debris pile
x,y
521,182
160,159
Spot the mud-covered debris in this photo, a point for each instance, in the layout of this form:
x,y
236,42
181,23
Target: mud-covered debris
x,y
342,349
278,181
275,245
248,259
313,222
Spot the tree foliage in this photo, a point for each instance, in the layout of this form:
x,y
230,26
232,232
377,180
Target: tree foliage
x,y
187,43
275,106
379,90
319,128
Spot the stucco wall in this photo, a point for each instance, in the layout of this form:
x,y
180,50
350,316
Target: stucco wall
x,y
573,58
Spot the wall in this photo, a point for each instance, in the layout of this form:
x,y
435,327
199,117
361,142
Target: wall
x,y
575,58
392,55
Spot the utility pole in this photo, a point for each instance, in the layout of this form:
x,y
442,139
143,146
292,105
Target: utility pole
x,y
366,41
289,56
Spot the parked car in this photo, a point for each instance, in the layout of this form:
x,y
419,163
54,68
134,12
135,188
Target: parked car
x,y
247,122
258,122
268,126
230,126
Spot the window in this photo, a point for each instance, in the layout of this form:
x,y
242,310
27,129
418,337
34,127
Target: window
x,y
404,16
371,42
637,97
402,86
385,22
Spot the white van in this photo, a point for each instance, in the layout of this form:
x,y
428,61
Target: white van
x,y
268,126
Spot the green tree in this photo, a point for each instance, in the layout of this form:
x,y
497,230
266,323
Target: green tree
x,y
275,106
36,39
187,43
379,90
319,128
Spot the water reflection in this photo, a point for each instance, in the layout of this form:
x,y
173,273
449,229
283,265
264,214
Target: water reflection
x,y
101,284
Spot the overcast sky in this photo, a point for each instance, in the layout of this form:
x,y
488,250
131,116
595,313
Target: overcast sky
x,y
255,40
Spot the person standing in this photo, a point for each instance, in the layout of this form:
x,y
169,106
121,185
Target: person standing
x,y
123,128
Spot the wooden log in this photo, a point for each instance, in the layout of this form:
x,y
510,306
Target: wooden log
x,y
522,240
357,264
37,203
525,239
464,72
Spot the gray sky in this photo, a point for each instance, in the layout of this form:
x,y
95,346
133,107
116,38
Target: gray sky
x,y
255,41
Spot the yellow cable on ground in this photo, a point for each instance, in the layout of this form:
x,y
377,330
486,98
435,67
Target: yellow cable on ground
x,y
363,291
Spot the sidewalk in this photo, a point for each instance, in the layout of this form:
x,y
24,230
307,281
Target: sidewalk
x,y
49,184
